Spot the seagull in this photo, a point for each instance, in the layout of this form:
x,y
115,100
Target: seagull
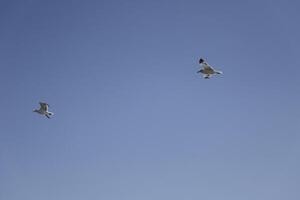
x,y
207,70
44,110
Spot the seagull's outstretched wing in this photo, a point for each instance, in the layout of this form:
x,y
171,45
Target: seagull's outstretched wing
x,y
204,64
44,106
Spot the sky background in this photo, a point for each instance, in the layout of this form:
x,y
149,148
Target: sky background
x,y
133,120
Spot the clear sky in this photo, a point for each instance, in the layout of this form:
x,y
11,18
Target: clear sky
x,y
133,120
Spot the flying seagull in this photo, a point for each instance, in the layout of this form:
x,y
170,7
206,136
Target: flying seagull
x,y
44,110
207,70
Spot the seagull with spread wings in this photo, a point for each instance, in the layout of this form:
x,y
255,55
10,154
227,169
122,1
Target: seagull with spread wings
x,y
207,70
44,110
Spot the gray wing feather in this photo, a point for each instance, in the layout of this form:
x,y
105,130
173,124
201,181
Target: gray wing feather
x,y
44,106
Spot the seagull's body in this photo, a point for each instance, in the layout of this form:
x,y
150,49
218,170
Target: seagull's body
x,y
44,110
207,70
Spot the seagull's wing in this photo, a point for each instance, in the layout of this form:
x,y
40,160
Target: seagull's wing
x,y
44,106
205,65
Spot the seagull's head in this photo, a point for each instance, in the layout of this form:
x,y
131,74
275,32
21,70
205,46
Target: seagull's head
x,y
201,60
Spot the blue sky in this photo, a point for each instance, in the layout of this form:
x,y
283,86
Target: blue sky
x,y
132,118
